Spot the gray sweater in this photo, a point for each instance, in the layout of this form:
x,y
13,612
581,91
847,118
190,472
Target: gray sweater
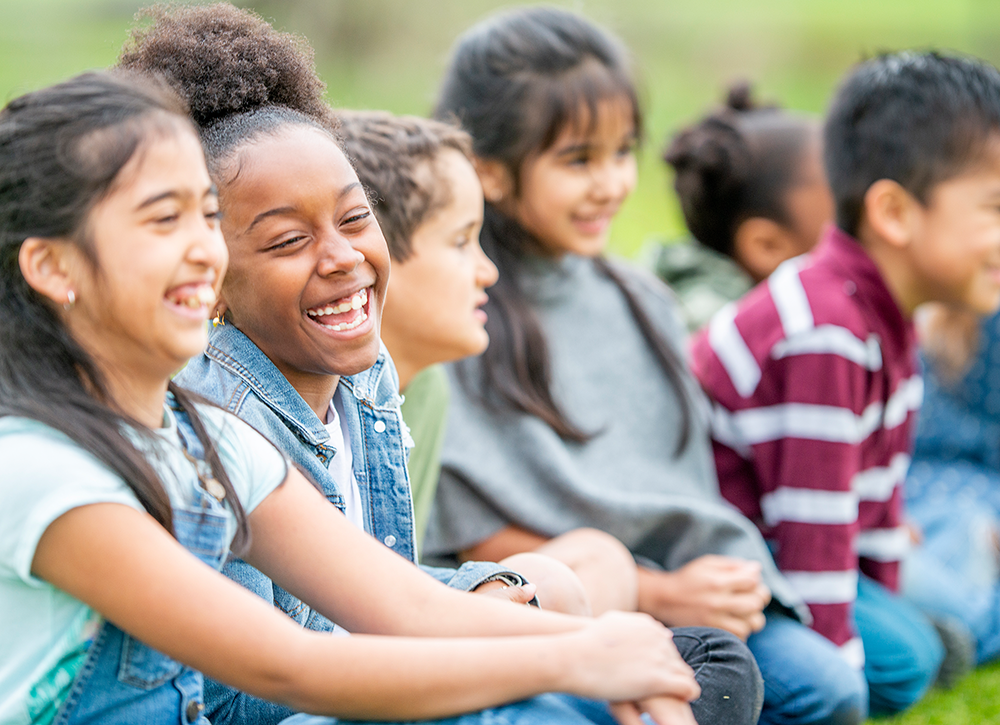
x,y
501,467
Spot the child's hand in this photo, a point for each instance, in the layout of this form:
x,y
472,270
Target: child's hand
x,y
711,591
663,710
625,657
519,595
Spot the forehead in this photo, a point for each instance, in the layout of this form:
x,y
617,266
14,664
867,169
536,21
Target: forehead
x,y
611,118
298,163
168,157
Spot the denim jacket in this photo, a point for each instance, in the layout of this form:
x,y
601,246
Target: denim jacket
x,y
236,375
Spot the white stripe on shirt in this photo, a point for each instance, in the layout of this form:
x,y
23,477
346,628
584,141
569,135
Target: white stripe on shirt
x,y
878,482
809,506
824,587
814,422
793,420
732,351
909,396
832,340
884,544
790,299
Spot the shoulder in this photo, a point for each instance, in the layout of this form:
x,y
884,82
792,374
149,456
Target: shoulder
x,y
803,313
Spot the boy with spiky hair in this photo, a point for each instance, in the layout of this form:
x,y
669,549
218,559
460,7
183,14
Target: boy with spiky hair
x,y
813,374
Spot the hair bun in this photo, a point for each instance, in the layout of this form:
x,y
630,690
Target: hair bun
x,y
224,60
740,98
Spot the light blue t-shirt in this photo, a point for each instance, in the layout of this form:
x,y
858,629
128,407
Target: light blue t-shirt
x,y
44,632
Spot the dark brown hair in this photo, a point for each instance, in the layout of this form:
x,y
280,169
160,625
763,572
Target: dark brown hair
x,y
737,163
396,159
61,150
515,82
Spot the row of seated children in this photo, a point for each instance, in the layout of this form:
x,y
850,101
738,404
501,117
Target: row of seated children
x,y
546,218
119,251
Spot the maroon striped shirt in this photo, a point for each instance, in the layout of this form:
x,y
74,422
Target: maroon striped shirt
x,y
815,388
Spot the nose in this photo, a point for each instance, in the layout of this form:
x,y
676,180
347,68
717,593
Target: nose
x,y
614,178
337,255
487,273
208,248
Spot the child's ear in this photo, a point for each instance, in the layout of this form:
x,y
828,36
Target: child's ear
x,y
47,266
890,211
495,178
761,244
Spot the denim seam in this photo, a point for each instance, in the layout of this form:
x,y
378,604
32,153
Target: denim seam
x,y
80,682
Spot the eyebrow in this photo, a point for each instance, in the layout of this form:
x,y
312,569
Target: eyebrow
x,y
173,194
284,210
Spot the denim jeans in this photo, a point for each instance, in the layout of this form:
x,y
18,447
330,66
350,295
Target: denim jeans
x,y
731,691
902,649
954,572
805,678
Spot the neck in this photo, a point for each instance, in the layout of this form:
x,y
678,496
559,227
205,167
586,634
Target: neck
x,y
406,367
316,390
893,265
136,396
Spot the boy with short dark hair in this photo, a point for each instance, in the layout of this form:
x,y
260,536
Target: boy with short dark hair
x,y
813,374
429,203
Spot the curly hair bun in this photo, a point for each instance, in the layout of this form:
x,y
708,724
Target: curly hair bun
x,y
224,60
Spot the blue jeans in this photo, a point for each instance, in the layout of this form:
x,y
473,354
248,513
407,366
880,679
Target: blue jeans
x,y
954,572
902,649
731,691
805,678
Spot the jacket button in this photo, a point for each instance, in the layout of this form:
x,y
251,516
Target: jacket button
x,y
194,710
390,541
379,426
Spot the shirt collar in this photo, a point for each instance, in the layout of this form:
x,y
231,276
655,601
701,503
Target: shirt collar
x,y
845,255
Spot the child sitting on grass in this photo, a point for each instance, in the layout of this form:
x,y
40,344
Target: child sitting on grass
x,y
750,182
429,204
813,375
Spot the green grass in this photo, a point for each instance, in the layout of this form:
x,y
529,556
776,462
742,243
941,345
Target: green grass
x,y
974,701
390,54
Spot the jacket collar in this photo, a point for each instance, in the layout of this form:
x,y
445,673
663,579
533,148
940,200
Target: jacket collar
x,y
235,352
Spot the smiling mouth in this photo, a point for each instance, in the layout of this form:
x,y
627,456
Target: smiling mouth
x,y
192,296
343,314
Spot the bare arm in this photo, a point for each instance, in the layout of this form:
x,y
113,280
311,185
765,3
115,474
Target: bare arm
x,y
711,591
100,553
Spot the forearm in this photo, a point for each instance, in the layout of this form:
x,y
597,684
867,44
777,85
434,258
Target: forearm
x,y
374,591
365,677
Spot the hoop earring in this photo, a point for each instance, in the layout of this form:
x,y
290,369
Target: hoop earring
x,y
70,302
219,319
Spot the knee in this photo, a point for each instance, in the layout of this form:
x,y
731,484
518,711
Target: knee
x,y
899,682
600,558
558,587
732,689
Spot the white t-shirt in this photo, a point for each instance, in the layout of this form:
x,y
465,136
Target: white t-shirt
x,y
342,463
45,633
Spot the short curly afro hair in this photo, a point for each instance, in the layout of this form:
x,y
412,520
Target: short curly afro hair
x,y
224,60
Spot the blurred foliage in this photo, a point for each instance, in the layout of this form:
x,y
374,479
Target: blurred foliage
x,y
391,53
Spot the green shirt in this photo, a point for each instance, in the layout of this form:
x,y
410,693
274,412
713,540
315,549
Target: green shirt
x,y
703,280
425,411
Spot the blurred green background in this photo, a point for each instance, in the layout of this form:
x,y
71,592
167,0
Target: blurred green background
x,y
390,54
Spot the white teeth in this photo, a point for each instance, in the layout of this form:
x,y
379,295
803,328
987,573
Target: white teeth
x,y
203,297
354,303
347,325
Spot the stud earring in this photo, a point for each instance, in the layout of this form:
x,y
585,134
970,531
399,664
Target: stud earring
x,y
219,319
70,301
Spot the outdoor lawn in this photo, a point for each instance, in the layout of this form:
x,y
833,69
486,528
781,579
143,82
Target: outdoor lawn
x,y
390,53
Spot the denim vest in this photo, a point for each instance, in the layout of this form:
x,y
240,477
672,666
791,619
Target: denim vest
x,y
122,681
236,375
